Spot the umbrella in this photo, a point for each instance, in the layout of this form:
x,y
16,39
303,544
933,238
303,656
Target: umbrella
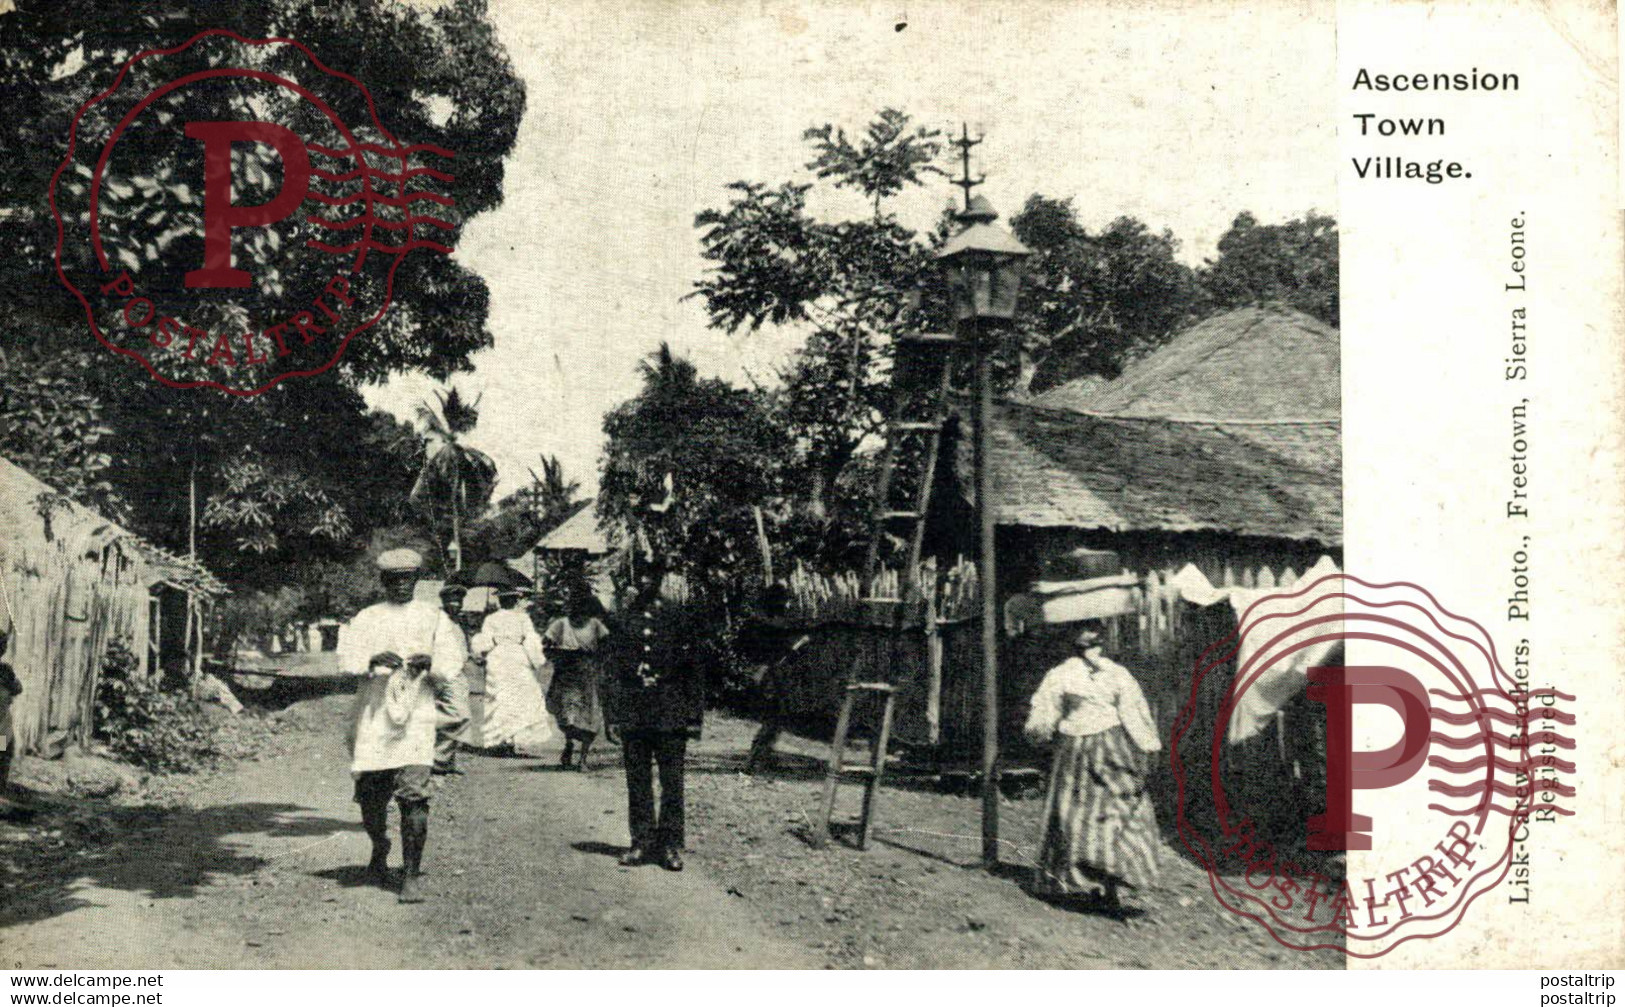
x,y
460,578
499,575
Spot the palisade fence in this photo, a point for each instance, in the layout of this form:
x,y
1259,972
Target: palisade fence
x,y
935,663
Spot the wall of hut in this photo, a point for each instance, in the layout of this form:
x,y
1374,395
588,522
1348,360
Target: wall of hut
x,y
72,589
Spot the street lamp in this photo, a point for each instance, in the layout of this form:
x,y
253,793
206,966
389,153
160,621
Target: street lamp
x,y
984,263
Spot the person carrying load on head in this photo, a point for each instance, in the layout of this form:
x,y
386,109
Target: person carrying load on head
x,y
1100,832
573,697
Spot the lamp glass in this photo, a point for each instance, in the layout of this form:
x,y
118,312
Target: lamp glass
x,y
986,285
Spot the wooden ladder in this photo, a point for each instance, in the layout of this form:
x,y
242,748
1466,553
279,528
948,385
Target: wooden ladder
x,y
927,356
870,774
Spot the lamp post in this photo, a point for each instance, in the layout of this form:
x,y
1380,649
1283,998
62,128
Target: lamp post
x,y
984,263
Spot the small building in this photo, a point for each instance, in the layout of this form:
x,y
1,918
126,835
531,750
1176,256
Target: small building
x,y
1267,364
579,539
1221,449
74,584
181,595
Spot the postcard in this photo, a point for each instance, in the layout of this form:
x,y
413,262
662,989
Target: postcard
x,y
913,485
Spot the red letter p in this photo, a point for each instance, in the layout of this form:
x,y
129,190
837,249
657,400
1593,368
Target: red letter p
x,y
1340,689
219,213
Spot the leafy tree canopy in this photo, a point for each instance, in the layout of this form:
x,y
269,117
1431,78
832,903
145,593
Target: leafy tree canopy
x,y
525,515
303,468
687,459
457,480
1091,301
850,283
1293,263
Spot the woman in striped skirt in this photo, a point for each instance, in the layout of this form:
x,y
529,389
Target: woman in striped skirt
x,y
1100,832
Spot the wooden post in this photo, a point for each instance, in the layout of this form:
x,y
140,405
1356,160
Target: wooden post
x,y
762,543
192,618
456,514
933,668
988,582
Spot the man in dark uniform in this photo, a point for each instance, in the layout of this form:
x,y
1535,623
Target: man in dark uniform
x,y
656,702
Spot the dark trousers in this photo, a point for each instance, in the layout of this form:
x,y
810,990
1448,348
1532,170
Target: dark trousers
x,y
645,751
761,747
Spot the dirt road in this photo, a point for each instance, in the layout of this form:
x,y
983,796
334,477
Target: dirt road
x,y
259,867
262,872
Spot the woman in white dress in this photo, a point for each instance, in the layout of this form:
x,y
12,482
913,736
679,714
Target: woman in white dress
x,y
515,713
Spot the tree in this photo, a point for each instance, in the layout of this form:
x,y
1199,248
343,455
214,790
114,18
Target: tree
x,y
553,496
196,470
1091,301
437,77
239,469
525,515
456,480
848,282
257,501
1294,263
54,427
687,461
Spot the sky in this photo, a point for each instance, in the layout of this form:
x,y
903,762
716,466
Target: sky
x,y
639,113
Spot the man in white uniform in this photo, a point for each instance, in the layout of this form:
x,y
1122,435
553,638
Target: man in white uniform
x,y
400,648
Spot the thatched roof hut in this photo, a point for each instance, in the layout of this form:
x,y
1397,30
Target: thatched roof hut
x,y
1223,447
75,582
1056,468
577,540
578,535
1248,364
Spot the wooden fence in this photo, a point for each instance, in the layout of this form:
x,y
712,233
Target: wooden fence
x,y
937,664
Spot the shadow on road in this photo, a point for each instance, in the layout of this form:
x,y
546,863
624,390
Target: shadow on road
x,y
159,852
270,693
350,876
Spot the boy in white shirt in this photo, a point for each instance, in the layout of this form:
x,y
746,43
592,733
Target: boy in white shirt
x,y
400,648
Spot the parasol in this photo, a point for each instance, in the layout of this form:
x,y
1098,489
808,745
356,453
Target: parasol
x,y
498,575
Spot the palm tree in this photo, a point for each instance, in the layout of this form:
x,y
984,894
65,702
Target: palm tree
x,y
454,475
552,496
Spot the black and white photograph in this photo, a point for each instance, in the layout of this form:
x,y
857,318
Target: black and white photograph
x,y
503,485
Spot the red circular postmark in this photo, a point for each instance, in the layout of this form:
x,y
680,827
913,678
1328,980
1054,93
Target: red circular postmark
x,y
231,212
1426,743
